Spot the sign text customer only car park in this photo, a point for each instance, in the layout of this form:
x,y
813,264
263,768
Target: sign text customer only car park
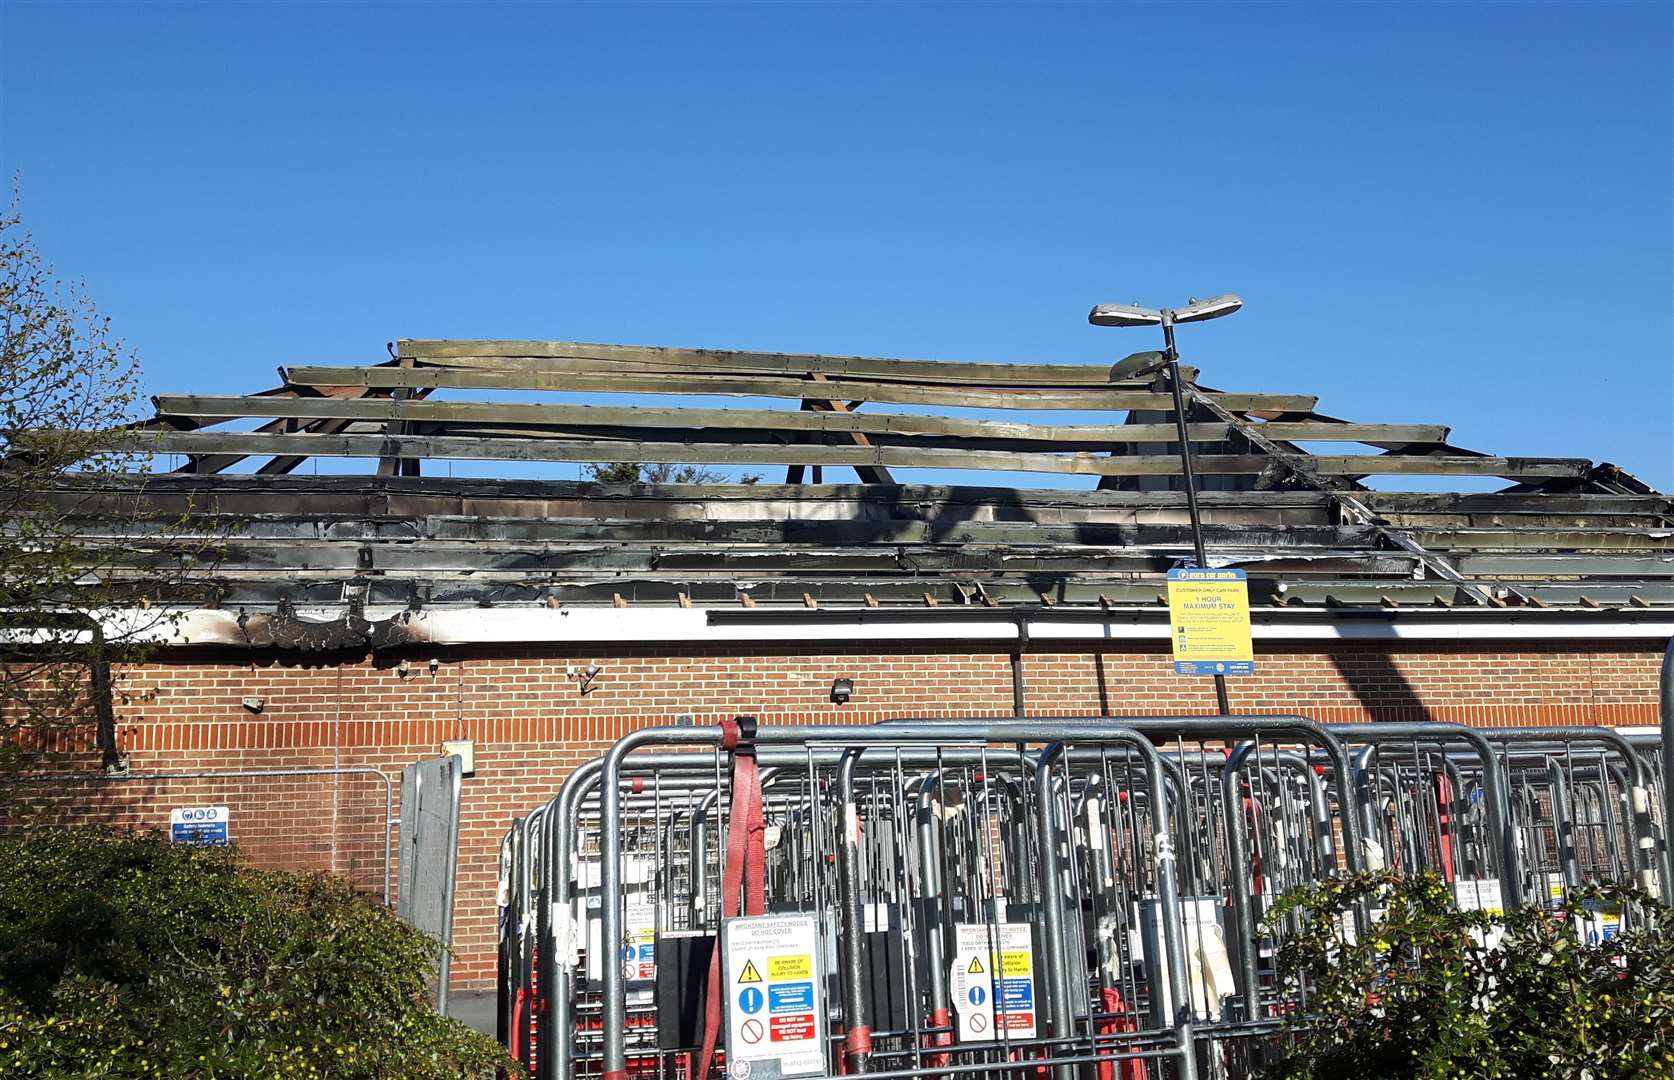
x,y
1209,622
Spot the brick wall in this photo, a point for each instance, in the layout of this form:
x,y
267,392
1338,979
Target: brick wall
x,y
532,724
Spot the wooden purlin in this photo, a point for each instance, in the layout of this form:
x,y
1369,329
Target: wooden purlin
x,y
338,411
205,410
772,387
581,356
1077,464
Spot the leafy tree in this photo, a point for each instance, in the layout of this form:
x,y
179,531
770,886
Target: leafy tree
x,y
71,495
1435,993
122,956
633,472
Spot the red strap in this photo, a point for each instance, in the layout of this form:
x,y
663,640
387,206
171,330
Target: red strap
x,y
940,1019
744,878
520,1002
1444,819
1120,1021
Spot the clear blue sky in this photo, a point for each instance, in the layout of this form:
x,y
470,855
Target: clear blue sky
x,y
1450,213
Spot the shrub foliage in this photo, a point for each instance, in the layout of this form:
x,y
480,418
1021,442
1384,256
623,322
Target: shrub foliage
x,y
1434,993
122,956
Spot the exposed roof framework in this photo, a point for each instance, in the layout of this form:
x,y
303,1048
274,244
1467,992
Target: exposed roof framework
x,y
1565,535
391,412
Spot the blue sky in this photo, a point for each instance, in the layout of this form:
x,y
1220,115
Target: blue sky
x,y
1436,213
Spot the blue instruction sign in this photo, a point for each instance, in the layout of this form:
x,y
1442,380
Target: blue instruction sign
x,y
205,825
1016,994
750,1000
790,997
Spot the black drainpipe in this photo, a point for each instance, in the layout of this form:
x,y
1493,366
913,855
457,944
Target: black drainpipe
x,y
1017,685
114,761
1668,743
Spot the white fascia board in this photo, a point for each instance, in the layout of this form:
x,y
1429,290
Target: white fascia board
x,y
659,625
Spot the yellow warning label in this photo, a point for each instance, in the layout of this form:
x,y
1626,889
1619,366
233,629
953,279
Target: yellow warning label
x,y
1015,962
749,974
797,966
976,967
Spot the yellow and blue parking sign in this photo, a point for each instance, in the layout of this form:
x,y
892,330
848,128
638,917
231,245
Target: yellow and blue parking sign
x,y
1209,622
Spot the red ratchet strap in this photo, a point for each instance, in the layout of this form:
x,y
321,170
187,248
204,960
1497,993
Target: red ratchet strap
x,y
1444,819
939,1018
744,878
1120,1022
520,1002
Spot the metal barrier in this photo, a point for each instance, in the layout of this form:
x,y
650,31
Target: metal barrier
x,y
430,854
1063,895
335,819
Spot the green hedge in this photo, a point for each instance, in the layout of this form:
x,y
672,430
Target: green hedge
x,y
1433,993
123,956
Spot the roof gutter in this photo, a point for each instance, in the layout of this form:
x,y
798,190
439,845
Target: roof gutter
x,y
338,628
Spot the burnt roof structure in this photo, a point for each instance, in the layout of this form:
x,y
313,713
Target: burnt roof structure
x,y
1564,533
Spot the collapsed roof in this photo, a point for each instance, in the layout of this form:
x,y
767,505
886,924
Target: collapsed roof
x,y
1564,533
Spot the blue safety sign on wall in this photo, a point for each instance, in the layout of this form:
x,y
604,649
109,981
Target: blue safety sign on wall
x,y
200,825
750,999
977,995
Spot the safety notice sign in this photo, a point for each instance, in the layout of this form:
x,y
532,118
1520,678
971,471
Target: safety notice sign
x,y
993,981
775,1016
205,825
1209,622
639,949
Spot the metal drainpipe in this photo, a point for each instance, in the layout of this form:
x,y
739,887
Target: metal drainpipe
x,y
113,760
1018,688
1667,758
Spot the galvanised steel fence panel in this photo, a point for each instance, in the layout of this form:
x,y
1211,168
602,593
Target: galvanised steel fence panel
x,y
1132,860
429,855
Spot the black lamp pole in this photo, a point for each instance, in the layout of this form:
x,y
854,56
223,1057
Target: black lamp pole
x,y
1187,473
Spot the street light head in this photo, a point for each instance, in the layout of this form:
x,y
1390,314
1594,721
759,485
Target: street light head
x,y
1204,310
1124,315
1137,366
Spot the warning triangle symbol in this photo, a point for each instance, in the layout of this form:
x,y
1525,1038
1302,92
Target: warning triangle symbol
x,y
749,974
976,967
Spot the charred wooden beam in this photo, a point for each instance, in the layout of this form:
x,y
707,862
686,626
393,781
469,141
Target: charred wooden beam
x,y
216,409
539,356
792,389
506,449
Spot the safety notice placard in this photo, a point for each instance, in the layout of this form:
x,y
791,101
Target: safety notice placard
x,y
992,981
1209,622
639,947
775,1011
206,825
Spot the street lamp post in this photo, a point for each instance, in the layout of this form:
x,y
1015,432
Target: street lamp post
x,y
1141,364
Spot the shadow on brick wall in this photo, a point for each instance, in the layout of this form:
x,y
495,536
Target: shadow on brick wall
x,y
1379,685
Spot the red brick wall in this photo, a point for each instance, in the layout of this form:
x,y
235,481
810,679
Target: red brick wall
x,y
532,725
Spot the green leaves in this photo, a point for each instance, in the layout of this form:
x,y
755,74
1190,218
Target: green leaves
x,y
121,956
71,501
1434,993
